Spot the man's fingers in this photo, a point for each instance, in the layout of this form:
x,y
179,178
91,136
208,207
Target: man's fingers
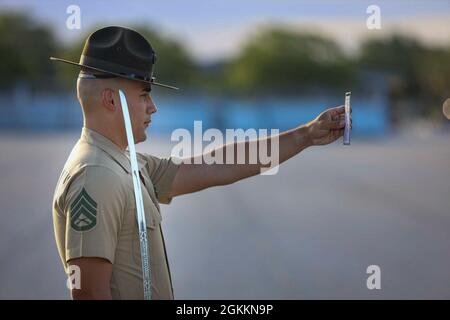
x,y
338,133
340,109
337,124
335,115
341,117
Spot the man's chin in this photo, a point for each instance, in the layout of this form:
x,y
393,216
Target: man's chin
x,y
144,137
140,138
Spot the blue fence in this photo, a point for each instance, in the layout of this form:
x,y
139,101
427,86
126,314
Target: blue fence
x,y
20,110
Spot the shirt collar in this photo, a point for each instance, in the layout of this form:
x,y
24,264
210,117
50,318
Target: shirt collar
x,y
121,157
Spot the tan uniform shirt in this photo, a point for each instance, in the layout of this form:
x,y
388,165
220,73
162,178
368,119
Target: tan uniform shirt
x,y
94,213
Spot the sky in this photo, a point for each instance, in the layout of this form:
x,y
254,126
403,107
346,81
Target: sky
x,y
213,30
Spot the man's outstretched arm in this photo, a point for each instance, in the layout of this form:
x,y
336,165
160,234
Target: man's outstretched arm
x,y
191,177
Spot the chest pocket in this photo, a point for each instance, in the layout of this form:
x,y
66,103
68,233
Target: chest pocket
x,y
151,206
153,220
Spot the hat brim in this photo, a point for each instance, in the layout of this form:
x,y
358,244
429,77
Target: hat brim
x,y
115,74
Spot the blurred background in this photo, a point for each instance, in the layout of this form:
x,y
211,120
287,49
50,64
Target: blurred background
x,y
308,232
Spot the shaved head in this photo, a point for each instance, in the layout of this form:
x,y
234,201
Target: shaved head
x,y
89,92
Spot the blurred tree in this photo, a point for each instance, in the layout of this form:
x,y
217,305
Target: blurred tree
x,y
418,72
433,73
397,54
211,79
65,73
173,63
25,48
279,61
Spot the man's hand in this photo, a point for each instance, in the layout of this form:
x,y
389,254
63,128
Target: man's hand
x,y
328,126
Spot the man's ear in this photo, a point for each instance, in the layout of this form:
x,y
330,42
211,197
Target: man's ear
x,y
109,99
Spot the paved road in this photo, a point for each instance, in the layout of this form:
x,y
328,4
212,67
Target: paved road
x,y
309,232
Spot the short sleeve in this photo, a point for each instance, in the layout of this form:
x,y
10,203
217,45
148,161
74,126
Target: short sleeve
x,y
95,203
162,172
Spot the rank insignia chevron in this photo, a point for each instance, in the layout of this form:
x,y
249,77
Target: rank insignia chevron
x,y
83,212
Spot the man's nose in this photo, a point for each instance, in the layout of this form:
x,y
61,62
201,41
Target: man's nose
x,y
152,107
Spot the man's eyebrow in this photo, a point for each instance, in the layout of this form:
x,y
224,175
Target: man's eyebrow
x,y
147,89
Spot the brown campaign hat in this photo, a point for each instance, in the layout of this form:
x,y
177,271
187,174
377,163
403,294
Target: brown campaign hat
x,y
119,52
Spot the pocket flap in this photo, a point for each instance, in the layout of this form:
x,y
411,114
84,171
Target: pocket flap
x,y
152,216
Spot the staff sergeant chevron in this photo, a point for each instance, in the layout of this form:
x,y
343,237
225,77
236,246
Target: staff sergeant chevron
x,y
83,212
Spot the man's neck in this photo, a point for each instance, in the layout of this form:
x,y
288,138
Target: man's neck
x,y
108,133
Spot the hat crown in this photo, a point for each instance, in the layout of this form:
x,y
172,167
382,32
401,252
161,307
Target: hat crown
x,y
119,46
